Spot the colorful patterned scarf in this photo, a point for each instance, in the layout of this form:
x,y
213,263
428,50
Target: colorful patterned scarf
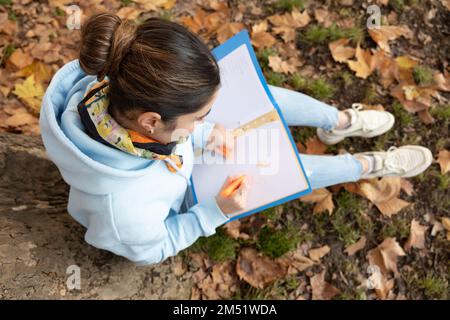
x,y
102,127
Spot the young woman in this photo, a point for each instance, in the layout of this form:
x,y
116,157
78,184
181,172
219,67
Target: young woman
x,y
109,120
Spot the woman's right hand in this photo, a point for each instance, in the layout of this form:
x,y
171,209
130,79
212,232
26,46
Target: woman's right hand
x,y
237,200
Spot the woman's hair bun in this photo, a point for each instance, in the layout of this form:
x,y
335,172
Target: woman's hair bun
x,y
106,39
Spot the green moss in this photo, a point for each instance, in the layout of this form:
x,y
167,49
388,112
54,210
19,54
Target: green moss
x,y
272,213
126,3
59,12
320,89
347,207
359,294
371,94
396,227
247,292
166,15
444,181
433,287
397,4
403,117
348,78
5,2
317,88
303,134
275,78
384,141
219,246
274,243
441,112
422,75
288,5
320,34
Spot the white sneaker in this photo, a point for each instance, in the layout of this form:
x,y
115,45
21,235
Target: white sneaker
x,y
405,161
368,123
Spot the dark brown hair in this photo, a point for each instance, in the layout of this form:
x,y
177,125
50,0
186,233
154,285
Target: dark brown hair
x,y
156,66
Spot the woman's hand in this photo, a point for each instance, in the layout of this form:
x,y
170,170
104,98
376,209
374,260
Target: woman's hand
x,y
221,140
233,194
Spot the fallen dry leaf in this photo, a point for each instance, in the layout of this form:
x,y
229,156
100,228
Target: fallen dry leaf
x,y
279,65
317,254
416,236
221,283
383,34
30,93
385,256
294,261
260,37
20,59
322,290
384,194
340,51
357,246
322,198
258,270
362,65
228,30
444,161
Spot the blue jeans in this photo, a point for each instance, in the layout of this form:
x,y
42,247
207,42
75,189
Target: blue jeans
x,y
301,110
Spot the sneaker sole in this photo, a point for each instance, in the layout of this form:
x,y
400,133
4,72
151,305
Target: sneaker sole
x,y
336,139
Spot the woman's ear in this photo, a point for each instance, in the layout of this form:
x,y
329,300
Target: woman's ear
x,y
150,121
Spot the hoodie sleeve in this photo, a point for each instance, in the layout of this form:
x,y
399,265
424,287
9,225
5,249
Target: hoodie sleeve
x,y
201,133
140,236
181,231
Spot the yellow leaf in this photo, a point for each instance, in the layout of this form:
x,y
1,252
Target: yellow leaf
x,y
30,92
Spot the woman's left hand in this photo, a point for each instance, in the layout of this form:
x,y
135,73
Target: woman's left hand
x,y
221,140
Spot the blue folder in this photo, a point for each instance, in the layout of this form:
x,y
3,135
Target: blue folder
x,y
220,52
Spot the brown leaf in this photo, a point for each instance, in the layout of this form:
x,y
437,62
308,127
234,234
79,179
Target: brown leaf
x,y
385,256
416,236
20,59
315,146
317,254
444,161
322,198
383,34
221,283
354,248
279,65
263,40
322,290
341,52
362,65
228,30
295,262
286,24
384,287
384,194
258,270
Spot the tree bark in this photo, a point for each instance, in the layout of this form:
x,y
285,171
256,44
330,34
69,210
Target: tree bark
x,y
39,240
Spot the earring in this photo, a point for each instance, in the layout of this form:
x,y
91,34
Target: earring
x,y
151,131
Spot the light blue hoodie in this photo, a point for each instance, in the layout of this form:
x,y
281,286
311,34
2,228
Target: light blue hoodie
x,y
129,205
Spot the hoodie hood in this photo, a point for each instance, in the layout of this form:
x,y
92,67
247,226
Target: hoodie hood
x,y
84,163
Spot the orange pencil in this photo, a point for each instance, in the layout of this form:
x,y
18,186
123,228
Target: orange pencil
x,y
232,186
224,151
